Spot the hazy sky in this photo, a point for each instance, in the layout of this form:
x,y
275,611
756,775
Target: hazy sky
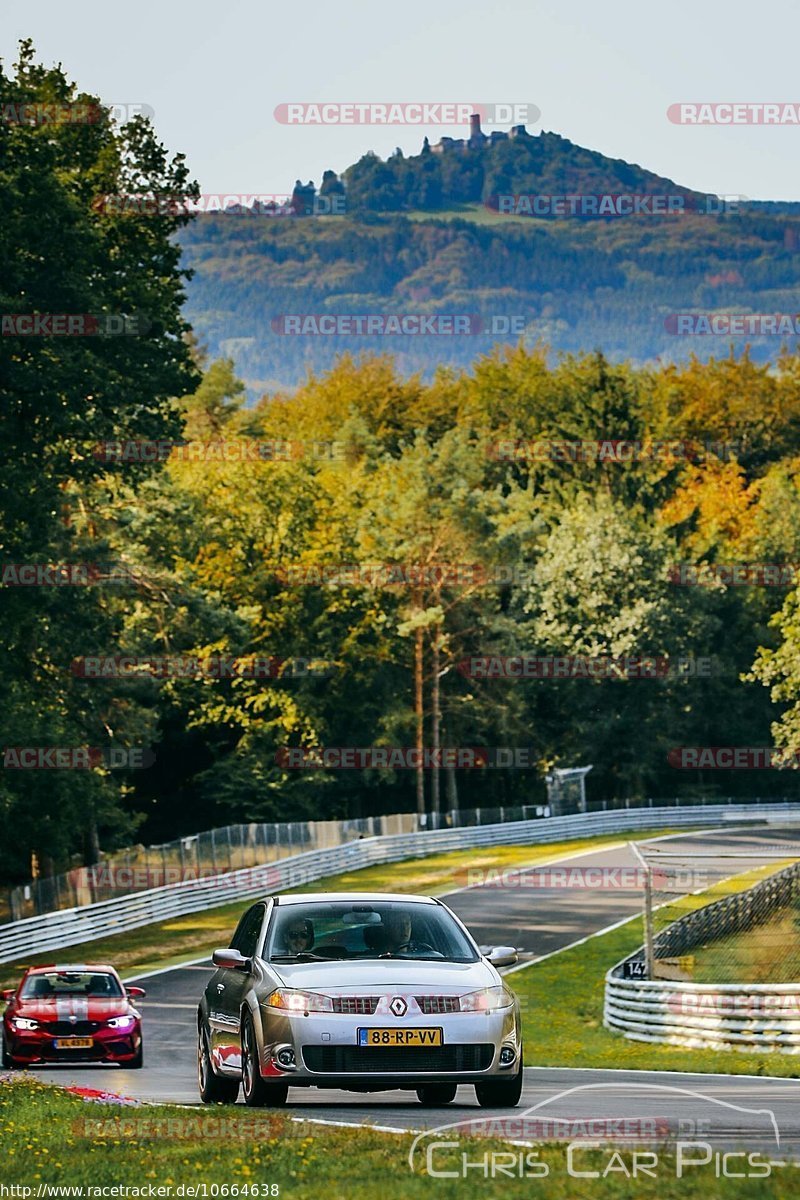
x,y
601,74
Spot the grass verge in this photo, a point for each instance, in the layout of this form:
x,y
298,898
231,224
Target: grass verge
x,y
562,1008
169,942
770,953
51,1137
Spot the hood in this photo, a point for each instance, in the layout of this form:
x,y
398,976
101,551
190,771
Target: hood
x,y
83,1008
342,978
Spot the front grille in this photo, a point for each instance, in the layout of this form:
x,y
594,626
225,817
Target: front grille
x,y
355,1005
397,1060
70,1028
431,1005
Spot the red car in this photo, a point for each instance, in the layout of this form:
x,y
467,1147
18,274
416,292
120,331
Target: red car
x,y
71,1014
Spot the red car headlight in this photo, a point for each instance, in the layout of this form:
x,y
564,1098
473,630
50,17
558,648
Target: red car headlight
x,y
121,1022
24,1023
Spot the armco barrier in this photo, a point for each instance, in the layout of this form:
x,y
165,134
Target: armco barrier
x,y
730,1016
68,927
740,1016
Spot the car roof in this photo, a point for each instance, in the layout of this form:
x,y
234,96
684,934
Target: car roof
x,y
360,897
69,968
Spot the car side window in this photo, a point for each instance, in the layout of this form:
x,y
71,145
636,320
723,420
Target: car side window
x,y
245,939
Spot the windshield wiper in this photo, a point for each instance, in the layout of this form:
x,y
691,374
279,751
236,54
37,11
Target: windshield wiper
x,y
429,957
303,956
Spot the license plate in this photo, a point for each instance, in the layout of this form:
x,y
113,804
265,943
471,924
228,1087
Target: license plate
x,y
400,1037
73,1043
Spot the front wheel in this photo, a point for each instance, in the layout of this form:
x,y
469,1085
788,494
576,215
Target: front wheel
x,y
138,1062
213,1088
501,1093
8,1062
434,1094
257,1092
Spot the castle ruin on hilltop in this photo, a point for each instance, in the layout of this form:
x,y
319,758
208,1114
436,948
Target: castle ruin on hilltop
x,y
477,138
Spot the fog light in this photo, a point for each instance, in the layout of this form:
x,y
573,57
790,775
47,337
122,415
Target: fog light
x,y
507,1056
285,1057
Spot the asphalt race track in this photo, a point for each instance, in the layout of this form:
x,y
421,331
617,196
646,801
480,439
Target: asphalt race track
x,y
539,921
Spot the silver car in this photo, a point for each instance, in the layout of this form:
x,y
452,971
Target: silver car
x,y
361,991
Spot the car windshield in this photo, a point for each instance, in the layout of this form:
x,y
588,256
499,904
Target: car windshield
x,y
357,930
71,983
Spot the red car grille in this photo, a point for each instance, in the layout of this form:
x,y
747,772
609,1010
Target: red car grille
x,y
431,1005
355,1005
69,1028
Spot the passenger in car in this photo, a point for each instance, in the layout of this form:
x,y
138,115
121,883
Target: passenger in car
x,y
299,936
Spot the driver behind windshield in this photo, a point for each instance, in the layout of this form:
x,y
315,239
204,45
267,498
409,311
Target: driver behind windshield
x,y
397,935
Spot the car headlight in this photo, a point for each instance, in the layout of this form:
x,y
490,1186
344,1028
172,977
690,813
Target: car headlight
x,y
24,1023
121,1022
293,1000
489,999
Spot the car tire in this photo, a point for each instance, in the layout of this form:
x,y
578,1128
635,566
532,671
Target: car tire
x,y
137,1063
501,1093
257,1092
8,1062
213,1088
431,1095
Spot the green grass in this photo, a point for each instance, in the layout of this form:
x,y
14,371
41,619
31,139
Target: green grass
x,y
562,1009
478,214
180,938
770,953
51,1137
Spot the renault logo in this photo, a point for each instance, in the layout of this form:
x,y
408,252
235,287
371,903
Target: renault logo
x,y
398,1006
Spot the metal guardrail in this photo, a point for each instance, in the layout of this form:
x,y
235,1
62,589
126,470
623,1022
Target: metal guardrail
x,y
70,927
214,851
742,1016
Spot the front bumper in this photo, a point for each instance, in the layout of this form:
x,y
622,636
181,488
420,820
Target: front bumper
x,y
38,1046
326,1052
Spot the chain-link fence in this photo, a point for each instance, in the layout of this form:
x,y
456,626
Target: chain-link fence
x,y
727,915
218,851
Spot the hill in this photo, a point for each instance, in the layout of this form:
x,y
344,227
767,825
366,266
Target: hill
x,y
447,233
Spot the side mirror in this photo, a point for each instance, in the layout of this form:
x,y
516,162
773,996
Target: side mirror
x,y
135,993
8,994
230,960
502,956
